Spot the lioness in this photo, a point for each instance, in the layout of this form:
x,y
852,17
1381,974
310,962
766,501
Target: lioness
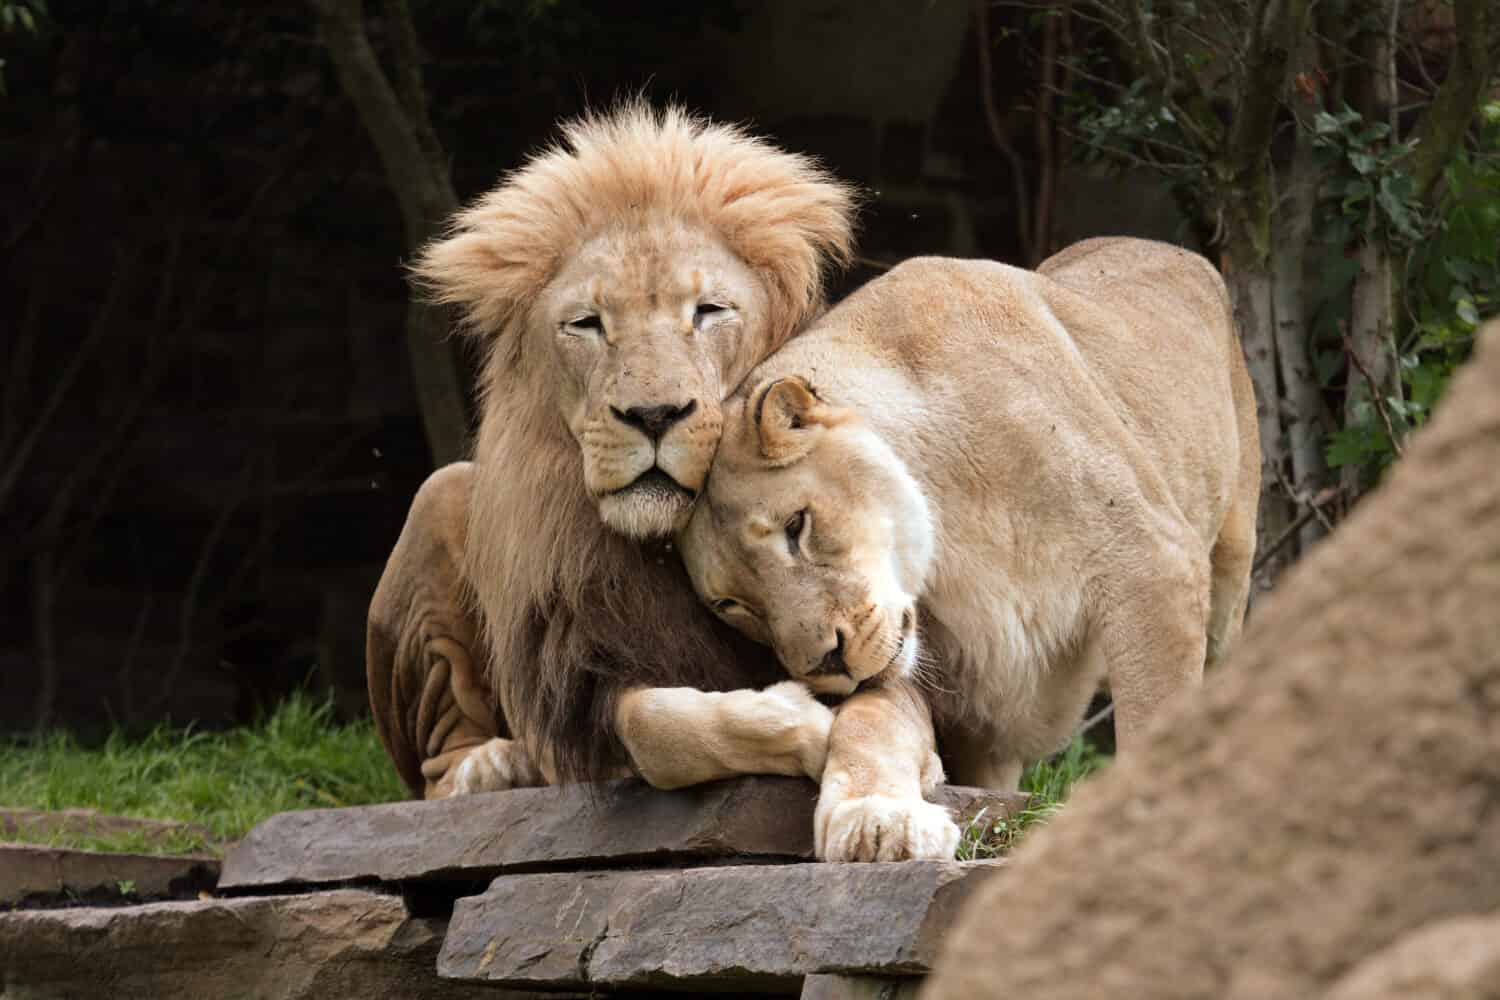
x,y
622,283
997,486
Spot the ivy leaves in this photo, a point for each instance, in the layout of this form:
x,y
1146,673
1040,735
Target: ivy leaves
x,y
1380,186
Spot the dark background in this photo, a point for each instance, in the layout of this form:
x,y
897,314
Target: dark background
x,y
208,431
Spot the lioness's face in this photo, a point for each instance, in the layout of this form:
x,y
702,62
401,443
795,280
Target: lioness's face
x,y
812,537
651,329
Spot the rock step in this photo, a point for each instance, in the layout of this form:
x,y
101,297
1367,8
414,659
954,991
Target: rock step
x,y
754,927
341,943
615,823
29,873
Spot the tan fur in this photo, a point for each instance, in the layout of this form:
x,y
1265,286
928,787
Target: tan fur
x,y
1055,473
647,262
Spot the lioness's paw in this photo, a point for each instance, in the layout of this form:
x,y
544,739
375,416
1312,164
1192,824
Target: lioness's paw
x,y
489,767
812,719
882,828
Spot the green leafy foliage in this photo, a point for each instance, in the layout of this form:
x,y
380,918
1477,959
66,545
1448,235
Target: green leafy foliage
x,y
1376,185
1049,783
1452,282
19,16
225,782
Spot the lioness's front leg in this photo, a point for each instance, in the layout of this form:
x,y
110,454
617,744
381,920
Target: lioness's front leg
x,y
882,760
683,736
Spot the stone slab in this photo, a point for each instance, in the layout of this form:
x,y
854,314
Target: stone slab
x,y
28,871
342,943
534,829
702,929
830,987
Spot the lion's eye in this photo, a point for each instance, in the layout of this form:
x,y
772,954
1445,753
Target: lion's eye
x,y
707,311
585,324
725,605
795,526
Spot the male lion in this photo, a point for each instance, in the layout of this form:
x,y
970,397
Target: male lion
x,y
1055,473
625,283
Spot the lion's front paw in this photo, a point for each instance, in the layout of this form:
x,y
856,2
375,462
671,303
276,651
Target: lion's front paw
x,y
489,767
882,828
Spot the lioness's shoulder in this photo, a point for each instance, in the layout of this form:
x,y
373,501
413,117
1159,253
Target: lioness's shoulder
x,y
922,279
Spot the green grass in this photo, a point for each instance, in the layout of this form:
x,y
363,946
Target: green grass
x,y
226,782
1049,782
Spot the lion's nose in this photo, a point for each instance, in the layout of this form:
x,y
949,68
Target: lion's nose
x,y
833,661
654,421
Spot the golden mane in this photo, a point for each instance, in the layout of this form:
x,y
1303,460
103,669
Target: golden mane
x,y
779,212
573,613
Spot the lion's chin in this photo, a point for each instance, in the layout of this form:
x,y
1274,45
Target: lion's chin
x,y
651,507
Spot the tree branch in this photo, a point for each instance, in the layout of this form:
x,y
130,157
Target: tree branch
x,y
1441,130
423,190
16,461
1277,26
1376,395
407,57
418,178
998,133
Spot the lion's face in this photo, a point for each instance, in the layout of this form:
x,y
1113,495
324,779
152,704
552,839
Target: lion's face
x,y
649,331
812,537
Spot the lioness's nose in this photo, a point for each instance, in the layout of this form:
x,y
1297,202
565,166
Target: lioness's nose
x,y
653,421
833,660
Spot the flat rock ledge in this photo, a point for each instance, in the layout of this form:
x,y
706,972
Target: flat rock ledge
x,y
31,874
754,927
341,943
615,824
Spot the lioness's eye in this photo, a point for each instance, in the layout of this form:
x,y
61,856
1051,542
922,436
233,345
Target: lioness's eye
x,y
795,525
724,604
585,323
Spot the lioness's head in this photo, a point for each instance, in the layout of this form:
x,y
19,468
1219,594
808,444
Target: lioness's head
x,y
812,537
634,275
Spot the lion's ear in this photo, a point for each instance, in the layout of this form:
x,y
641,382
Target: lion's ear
x,y
788,417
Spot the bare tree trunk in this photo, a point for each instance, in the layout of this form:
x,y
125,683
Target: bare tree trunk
x,y
1001,136
1372,344
1373,371
1470,69
1302,409
1048,135
1250,288
418,175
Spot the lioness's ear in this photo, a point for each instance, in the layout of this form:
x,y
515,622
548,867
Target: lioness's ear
x,y
788,416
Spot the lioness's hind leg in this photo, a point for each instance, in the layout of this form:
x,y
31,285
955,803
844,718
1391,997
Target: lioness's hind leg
x,y
423,665
1153,637
1233,555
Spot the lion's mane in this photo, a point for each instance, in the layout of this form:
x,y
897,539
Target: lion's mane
x,y
574,614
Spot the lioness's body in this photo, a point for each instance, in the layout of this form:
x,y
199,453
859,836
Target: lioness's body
x,y
1083,440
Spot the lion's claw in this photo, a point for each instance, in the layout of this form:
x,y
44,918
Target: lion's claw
x,y
489,767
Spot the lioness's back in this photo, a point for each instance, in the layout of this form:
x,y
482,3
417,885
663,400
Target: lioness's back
x,y
1079,343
